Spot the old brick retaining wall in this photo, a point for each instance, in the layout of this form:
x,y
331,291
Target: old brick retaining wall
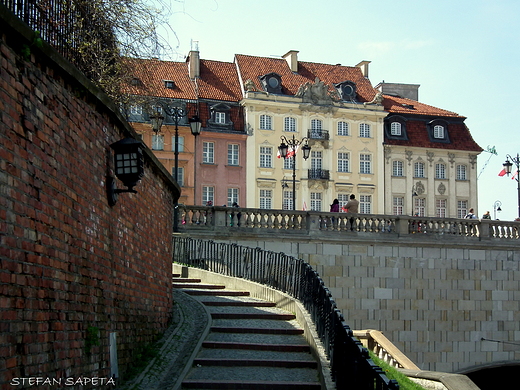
x,y
73,269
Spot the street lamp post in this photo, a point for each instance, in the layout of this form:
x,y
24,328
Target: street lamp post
x,y
176,112
507,166
288,149
414,194
496,207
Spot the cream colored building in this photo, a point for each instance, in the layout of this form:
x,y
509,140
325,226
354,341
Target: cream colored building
x,y
331,107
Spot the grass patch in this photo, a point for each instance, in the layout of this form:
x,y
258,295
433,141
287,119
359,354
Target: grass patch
x,y
405,383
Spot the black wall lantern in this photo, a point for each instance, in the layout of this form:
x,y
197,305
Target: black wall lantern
x,y
128,166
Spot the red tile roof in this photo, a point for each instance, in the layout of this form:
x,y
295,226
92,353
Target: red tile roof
x,y
400,105
219,81
252,67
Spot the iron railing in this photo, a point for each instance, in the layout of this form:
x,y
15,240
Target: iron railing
x,y
350,363
318,174
318,134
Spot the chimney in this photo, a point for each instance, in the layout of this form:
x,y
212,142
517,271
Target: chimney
x,y
408,91
363,65
194,60
292,60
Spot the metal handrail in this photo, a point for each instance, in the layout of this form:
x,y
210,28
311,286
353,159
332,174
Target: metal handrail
x,y
351,366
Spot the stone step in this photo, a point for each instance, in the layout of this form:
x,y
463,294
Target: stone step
x,y
255,362
249,385
256,346
229,293
254,316
245,354
185,280
227,329
200,286
239,303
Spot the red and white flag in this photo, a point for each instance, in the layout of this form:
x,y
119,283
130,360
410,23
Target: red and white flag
x,y
514,175
502,172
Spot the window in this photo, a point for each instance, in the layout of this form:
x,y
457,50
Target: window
x,y
343,128
398,203
208,195
180,175
266,199
136,110
232,196
418,169
316,128
364,130
232,154
440,208
208,152
266,122
266,158
461,172
343,162
343,199
365,163
419,206
316,160
158,142
220,117
438,132
180,144
397,168
288,163
316,201
287,200
462,208
395,128
440,171
365,204
289,124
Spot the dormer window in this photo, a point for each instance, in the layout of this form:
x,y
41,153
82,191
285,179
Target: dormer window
x,y
347,90
395,127
220,117
135,82
438,131
169,84
272,83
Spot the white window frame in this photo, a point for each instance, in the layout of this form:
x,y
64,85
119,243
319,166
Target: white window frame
x,y
316,201
208,152
287,203
288,163
419,206
158,142
419,169
343,199
343,128
233,154
462,208
266,122
461,172
398,205
397,168
266,157
316,159
365,164
220,117
343,162
180,175
289,124
365,204
396,128
180,144
208,195
136,110
438,132
364,130
441,206
232,196
266,199
440,171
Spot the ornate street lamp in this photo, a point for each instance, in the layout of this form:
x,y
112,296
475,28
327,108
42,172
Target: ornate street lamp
x,y
496,207
288,149
507,166
176,112
128,167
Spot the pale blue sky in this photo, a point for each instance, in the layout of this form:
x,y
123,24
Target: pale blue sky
x,y
465,55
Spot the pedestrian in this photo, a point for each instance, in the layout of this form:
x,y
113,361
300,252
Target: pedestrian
x,y
486,215
334,207
352,207
470,214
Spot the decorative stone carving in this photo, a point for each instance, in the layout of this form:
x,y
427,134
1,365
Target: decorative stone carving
x,y
451,158
316,93
473,160
387,151
250,86
441,189
409,156
378,99
430,156
419,188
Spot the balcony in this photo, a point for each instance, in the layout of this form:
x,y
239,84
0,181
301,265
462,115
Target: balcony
x,y
318,136
319,174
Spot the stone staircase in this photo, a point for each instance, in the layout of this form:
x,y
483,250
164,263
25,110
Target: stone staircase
x,y
251,343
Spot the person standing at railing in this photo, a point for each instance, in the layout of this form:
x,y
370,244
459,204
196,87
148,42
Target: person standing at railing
x,y
352,206
486,215
470,214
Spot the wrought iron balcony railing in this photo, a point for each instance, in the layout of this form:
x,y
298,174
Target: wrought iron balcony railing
x,y
319,174
318,134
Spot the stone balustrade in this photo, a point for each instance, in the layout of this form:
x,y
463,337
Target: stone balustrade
x,y
315,223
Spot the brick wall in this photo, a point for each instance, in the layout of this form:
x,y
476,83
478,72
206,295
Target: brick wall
x,y
68,261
